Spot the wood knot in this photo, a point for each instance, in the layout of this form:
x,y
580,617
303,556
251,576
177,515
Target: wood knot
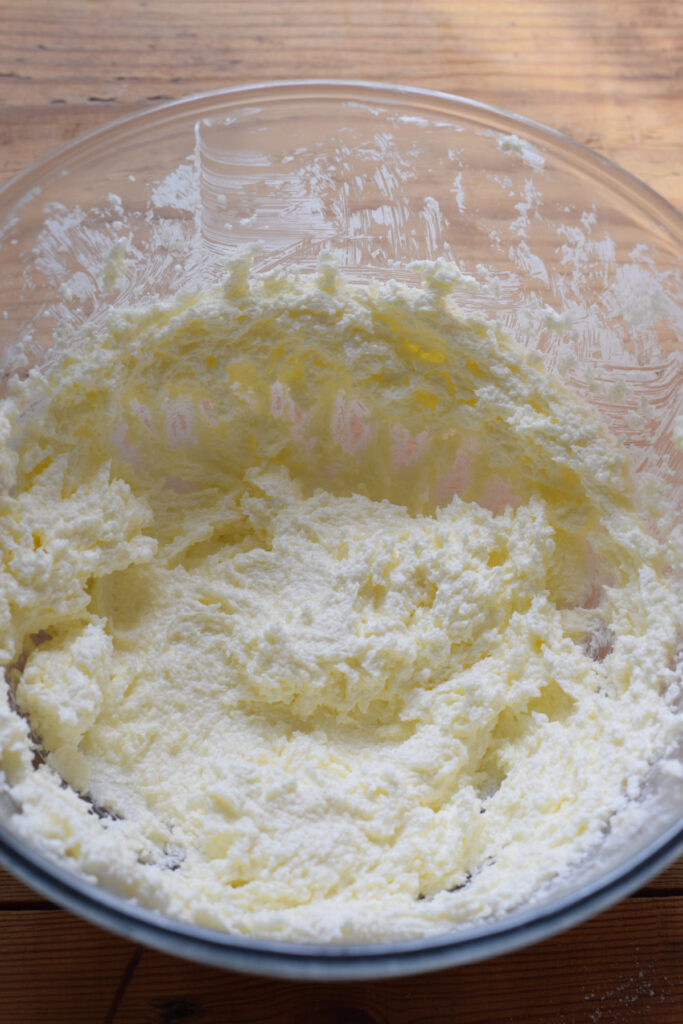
x,y
173,1010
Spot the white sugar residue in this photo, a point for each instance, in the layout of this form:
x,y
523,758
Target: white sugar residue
x,y
527,208
590,262
459,192
435,224
677,432
12,219
80,252
116,202
638,295
114,267
523,148
180,189
528,262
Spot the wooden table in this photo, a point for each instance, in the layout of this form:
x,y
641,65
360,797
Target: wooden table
x,y
606,73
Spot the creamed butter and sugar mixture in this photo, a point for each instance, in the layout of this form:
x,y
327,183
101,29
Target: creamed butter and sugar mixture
x,y
334,610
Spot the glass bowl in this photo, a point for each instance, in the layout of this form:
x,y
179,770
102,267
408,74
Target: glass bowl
x,y
572,255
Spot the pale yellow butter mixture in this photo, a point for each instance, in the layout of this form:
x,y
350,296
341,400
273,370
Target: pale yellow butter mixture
x,y
334,610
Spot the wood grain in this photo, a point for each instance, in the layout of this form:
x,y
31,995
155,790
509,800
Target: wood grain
x,y
55,968
608,73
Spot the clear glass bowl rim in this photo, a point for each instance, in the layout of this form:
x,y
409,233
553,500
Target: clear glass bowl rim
x,y
354,961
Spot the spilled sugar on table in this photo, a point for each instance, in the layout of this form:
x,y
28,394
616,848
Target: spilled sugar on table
x,y
606,73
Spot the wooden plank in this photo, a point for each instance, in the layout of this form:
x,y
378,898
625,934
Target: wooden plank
x,y
607,75
670,880
624,966
14,893
54,968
